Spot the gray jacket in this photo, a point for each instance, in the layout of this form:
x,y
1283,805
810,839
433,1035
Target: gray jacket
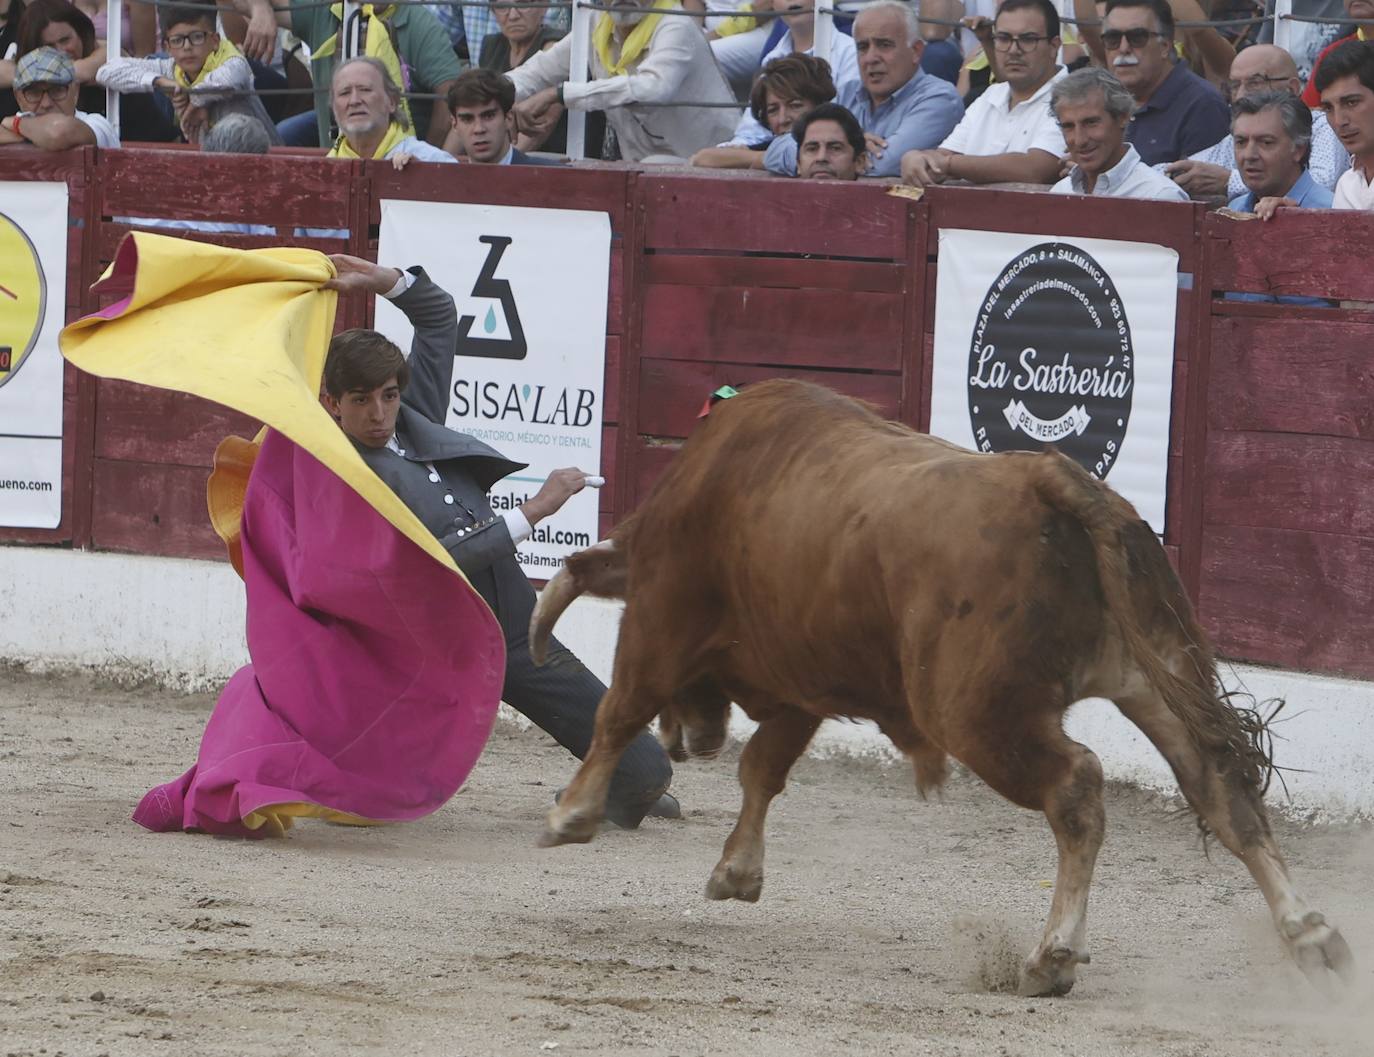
x,y
451,499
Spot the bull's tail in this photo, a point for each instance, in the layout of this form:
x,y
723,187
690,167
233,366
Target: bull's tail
x,y
1139,585
599,570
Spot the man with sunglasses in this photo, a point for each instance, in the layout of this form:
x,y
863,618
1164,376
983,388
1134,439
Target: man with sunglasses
x,y
1008,134
45,87
1177,112
1259,69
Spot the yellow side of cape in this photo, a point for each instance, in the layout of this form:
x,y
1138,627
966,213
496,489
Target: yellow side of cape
x,y
248,329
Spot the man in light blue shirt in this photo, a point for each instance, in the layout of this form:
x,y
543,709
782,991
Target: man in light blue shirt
x,y
899,107
1273,137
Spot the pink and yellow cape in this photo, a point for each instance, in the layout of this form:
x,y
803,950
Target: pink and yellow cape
x,y
376,669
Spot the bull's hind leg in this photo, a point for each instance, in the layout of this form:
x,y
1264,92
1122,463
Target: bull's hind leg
x,y
763,769
1024,754
1228,801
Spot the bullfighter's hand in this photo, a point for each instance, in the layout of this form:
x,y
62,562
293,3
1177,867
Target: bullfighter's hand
x,y
1266,208
560,486
1199,178
354,273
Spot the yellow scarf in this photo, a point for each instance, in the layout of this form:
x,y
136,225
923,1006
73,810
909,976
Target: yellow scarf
x,y
729,27
216,58
377,45
394,135
634,44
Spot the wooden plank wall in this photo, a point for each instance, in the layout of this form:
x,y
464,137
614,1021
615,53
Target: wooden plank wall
x,y
1286,508
738,282
717,279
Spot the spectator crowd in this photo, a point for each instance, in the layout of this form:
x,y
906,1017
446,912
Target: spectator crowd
x,y
1127,98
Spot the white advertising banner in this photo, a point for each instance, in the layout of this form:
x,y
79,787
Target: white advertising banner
x,y
1066,341
33,298
530,287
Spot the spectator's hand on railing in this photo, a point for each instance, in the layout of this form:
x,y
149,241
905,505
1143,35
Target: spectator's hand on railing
x,y
1199,178
1265,208
922,168
537,115
195,120
260,39
354,273
400,160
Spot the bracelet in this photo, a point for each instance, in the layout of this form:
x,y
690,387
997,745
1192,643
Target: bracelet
x,y
561,86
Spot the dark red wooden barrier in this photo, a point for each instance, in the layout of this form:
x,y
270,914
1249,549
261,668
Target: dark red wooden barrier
x,y
1270,515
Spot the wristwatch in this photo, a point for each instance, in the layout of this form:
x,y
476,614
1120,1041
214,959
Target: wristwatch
x,y
561,86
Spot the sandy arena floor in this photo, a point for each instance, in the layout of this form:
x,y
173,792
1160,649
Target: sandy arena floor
x,y
883,924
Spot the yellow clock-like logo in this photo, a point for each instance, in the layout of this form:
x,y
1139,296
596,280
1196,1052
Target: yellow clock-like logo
x,y
23,297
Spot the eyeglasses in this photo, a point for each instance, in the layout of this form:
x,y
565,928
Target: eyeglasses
x,y
195,38
1253,84
1136,38
1024,41
34,92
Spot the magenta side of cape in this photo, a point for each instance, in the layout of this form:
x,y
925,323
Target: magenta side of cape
x,y
375,674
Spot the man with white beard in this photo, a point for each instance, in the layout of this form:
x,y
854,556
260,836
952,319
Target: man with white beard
x,y
1177,112
636,58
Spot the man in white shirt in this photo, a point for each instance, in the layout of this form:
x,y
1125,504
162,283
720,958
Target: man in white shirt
x,y
45,88
636,58
1008,134
1345,80
1093,109
1258,69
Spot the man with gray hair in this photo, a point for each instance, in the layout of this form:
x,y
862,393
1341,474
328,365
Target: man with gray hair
x,y
1273,137
1093,109
900,108
237,134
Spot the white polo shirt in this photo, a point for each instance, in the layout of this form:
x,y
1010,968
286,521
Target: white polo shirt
x,y
1353,191
992,125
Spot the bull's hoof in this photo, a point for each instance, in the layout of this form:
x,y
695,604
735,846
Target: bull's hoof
x,y
732,882
568,827
1050,972
706,741
1320,950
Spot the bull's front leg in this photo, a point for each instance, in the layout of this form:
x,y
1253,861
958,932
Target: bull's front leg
x,y
619,719
763,770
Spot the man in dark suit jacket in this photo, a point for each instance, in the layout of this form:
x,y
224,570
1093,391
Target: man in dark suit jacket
x,y
483,126
393,411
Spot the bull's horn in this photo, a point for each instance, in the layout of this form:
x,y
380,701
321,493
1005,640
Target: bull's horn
x,y
557,595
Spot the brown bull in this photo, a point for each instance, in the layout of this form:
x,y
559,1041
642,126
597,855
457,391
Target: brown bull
x,y
806,559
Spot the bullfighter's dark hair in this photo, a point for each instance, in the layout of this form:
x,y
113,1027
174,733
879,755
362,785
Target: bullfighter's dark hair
x,y
360,360
794,76
853,131
190,14
1354,58
1043,6
477,86
1163,12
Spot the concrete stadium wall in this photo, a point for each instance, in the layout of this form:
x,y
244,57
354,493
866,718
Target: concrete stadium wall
x,y
179,623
